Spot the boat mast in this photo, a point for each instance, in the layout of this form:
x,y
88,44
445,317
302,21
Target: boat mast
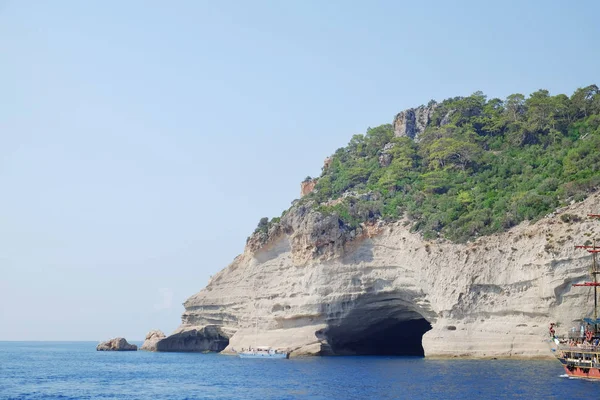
x,y
593,249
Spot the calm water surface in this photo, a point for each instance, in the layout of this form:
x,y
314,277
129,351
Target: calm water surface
x,y
75,370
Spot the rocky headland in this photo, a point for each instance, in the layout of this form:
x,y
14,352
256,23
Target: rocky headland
x,y
116,344
347,270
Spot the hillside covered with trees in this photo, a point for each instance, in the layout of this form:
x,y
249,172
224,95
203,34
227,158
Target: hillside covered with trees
x,y
479,167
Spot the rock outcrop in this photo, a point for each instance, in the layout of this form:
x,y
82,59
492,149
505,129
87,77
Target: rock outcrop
x,y
307,186
385,158
314,286
116,344
152,339
194,339
412,122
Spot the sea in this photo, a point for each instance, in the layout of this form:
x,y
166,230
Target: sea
x,y
75,370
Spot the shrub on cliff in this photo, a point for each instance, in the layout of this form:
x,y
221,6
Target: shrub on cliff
x,y
263,225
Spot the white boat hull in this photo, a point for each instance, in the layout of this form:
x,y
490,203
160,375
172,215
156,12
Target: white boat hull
x,y
260,354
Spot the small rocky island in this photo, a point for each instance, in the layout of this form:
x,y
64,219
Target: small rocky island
x,y
116,344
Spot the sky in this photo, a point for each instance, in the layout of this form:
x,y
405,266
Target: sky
x,y
142,141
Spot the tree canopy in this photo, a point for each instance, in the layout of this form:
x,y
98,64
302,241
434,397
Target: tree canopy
x,y
479,167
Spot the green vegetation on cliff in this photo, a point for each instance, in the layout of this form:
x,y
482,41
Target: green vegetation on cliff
x,y
480,166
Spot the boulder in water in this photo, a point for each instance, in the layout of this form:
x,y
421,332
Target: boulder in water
x,y
116,344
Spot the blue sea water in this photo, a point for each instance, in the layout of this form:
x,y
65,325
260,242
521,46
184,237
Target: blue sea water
x,y
75,370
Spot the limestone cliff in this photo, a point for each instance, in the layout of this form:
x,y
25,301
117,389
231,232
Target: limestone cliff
x,y
317,287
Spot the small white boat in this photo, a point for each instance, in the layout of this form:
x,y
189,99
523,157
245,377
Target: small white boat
x,y
263,352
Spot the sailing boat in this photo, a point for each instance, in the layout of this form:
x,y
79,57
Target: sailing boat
x,y
580,353
261,351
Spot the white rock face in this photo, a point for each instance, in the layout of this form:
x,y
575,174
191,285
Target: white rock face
x,y
491,298
152,339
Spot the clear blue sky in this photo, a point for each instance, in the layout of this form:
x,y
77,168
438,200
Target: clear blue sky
x,y
142,141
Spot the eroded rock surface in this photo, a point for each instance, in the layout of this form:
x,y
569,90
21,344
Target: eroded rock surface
x,y
194,339
316,287
116,344
152,339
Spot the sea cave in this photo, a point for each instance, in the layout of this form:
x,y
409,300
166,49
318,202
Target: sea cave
x,y
378,325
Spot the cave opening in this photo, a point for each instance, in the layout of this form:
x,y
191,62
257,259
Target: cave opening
x,y
388,337
390,323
